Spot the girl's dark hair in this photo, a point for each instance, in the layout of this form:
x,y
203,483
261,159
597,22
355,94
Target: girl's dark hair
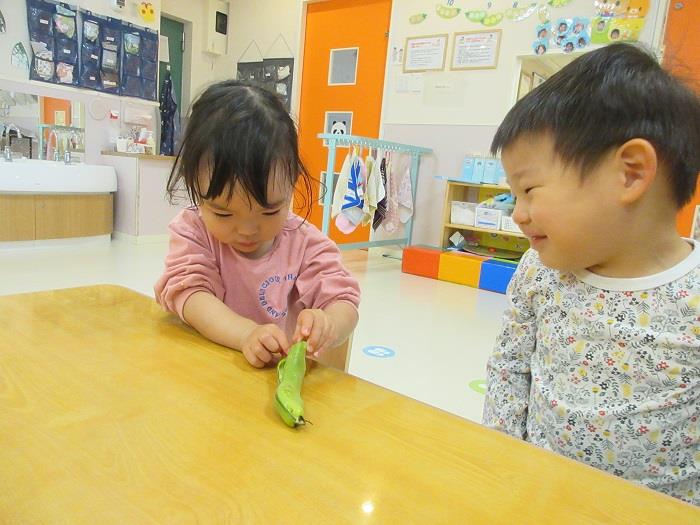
x,y
243,133
605,98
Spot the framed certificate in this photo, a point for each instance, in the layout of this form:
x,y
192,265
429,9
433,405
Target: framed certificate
x,y
425,53
476,50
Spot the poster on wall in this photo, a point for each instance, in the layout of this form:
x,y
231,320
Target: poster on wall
x,y
425,53
476,50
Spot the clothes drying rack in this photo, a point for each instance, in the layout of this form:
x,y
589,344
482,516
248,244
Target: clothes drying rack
x,y
333,141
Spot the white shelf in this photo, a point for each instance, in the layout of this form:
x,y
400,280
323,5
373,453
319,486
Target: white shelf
x,y
483,230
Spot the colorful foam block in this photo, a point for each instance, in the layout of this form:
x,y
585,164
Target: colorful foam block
x,y
460,268
496,274
421,260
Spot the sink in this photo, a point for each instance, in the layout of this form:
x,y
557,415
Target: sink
x,y
47,176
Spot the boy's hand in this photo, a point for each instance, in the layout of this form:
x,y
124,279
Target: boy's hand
x,y
264,345
317,328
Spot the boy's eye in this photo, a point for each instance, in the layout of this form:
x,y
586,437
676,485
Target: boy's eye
x,y
222,214
268,213
528,190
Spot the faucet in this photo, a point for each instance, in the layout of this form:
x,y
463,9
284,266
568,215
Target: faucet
x,y
56,156
6,128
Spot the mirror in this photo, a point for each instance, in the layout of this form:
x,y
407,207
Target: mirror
x,y
37,127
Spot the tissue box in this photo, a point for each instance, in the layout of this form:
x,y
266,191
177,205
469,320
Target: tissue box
x,y
508,224
463,213
491,171
488,218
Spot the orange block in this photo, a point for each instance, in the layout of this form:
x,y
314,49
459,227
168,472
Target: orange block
x,y
421,260
460,268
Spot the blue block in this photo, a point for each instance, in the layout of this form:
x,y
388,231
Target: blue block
x,y
496,274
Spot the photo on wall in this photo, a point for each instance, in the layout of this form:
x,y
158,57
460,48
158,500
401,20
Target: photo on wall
x,y
338,123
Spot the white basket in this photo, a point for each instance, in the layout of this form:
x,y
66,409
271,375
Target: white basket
x,y
509,225
462,213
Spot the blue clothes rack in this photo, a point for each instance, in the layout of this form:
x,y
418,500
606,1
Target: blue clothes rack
x,y
332,142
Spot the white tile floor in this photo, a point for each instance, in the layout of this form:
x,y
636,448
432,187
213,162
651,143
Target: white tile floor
x,y
441,333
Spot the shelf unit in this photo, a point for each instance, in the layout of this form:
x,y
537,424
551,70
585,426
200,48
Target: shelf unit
x,y
470,192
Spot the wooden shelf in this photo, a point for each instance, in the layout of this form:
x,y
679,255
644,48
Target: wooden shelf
x,y
483,230
485,186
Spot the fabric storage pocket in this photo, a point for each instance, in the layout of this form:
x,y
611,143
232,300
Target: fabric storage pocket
x,y
66,73
131,86
42,70
90,78
64,26
109,82
150,89
132,65
110,37
66,51
110,60
90,56
42,46
149,46
149,70
91,31
40,19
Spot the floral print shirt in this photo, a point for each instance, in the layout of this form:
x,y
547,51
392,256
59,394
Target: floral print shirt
x,y
605,371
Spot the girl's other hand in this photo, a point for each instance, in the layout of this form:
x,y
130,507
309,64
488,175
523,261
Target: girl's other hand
x,y
264,345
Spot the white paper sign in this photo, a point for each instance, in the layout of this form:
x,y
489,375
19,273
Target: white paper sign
x,y
425,53
476,50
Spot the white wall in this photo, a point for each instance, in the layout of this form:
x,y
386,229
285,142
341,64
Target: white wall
x,y
248,20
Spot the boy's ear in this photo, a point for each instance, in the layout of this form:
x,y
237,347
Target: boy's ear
x,y
638,163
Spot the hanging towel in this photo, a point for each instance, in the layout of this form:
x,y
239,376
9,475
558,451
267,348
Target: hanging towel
x,y
353,201
375,190
380,212
341,185
391,219
405,194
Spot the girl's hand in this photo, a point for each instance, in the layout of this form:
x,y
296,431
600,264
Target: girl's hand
x,y
318,329
264,345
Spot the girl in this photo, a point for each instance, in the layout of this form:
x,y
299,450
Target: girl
x,y
243,270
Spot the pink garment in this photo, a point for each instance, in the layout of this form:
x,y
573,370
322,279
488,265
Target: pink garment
x,y
302,270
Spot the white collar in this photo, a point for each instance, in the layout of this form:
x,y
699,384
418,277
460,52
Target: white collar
x,y
634,284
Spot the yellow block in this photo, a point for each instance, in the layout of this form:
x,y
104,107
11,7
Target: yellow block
x,y
460,268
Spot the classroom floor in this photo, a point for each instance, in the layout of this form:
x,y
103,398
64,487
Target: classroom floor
x,y
423,338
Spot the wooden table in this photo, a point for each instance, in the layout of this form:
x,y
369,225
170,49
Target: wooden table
x,y
114,412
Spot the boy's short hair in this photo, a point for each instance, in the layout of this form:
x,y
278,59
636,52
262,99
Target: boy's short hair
x,y
605,98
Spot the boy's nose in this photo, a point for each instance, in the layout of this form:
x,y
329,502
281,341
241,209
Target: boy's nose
x,y
520,214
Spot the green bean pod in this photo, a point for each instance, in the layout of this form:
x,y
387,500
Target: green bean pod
x,y
290,377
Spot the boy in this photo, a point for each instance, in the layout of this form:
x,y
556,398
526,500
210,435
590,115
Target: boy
x,y
599,355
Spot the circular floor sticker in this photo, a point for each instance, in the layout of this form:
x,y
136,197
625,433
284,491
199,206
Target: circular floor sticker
x,y
378,351
478,386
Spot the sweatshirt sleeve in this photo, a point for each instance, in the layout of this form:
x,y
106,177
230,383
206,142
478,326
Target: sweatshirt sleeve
x,y
508,368
322,279
190,265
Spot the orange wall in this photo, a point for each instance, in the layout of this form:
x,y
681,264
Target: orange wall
x,y
682,57
50,105
338,24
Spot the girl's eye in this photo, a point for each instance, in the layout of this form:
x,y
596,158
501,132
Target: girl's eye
x,y
222,214
269,213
